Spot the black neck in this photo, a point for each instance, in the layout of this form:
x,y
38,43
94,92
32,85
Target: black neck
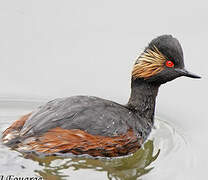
x,y
143,97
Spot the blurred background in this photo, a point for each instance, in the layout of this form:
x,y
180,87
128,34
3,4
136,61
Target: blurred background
x,y
51,49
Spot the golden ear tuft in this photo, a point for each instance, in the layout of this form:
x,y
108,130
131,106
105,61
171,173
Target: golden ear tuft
x,y
149,64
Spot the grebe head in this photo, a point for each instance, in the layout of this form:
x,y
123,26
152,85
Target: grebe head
x,y
161,61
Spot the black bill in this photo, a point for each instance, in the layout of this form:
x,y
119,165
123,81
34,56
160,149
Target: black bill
x,y
184,72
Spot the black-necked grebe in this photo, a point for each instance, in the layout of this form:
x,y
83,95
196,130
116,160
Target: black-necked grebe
x,y
99,127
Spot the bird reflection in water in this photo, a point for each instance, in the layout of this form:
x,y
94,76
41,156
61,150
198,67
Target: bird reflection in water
x,y
123,168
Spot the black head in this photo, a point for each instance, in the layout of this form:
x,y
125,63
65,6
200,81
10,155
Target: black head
x,y
161,61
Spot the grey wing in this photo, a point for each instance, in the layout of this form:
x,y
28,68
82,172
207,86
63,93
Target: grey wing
x,y
93,115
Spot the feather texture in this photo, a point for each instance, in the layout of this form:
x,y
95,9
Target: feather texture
x,y
151,62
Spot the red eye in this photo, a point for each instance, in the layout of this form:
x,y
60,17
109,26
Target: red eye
x,y
169,64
